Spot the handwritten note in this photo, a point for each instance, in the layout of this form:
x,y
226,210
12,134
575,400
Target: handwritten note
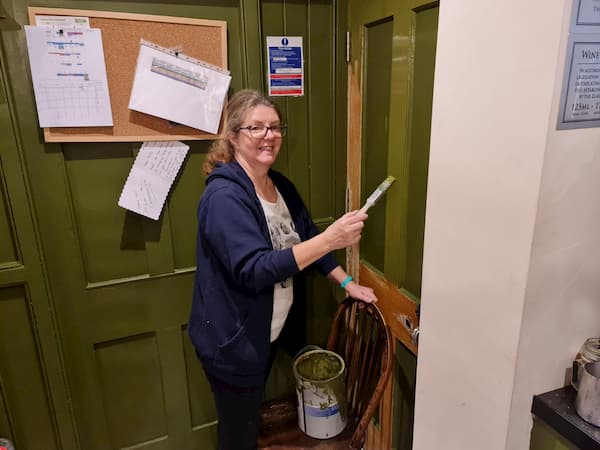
x,y
151,177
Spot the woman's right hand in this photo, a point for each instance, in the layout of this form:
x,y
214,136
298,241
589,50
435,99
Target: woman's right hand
x,y
345,231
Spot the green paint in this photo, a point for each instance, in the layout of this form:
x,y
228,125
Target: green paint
x,y
323,373
319,366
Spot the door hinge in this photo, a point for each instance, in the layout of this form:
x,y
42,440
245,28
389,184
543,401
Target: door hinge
x,y
347,46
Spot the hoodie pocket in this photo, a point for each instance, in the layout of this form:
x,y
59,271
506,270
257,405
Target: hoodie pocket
x,y
236,336
240,353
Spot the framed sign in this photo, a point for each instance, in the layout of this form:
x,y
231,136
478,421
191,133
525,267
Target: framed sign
x,y
585,16
286,66
580,97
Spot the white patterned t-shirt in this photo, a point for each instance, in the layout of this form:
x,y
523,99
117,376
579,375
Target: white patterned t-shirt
x,y
283,235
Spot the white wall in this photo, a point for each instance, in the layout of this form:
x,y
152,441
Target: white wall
x,y
512,241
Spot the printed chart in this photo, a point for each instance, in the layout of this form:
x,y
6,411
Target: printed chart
x,y
69,76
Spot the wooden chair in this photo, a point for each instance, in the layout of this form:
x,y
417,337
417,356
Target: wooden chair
x,y
361,337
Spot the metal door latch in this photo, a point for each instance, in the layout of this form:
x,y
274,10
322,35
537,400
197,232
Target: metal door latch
x,y
414,336
413,331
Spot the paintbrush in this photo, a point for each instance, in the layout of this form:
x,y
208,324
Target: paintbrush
x,y
377,193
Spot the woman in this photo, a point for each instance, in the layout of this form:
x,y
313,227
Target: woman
x,y
254,235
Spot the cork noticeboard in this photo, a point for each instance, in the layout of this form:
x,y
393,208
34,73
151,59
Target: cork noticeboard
x,y
201,39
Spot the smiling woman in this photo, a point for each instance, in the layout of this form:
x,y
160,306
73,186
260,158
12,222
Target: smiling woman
x,y
256,147
254,236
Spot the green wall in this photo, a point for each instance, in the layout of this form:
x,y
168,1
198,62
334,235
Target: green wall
x,y
94,299
545,438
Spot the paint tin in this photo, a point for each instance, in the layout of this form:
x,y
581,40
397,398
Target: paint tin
x,y
320,386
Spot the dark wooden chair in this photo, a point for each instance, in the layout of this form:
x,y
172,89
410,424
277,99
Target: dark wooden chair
x,y
360,335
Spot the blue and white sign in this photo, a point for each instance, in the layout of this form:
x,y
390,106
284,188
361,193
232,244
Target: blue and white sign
x,y
586,16
286,66
580,98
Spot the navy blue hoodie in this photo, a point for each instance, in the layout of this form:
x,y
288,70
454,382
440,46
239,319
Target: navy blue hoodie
x,y
230,321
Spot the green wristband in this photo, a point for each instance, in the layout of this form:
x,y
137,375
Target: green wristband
x,y
344,283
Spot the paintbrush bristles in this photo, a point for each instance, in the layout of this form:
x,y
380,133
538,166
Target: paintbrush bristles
x,y
378,193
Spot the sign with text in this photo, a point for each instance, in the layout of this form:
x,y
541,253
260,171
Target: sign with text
x,y
286,66
586,16
580,98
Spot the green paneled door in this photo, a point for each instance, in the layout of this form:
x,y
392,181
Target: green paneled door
x,y
105,350
391,78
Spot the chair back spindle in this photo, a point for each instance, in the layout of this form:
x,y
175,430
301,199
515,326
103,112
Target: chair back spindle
x,y
360,335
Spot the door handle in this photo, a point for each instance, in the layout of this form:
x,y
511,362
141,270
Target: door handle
x,y
414,336
413,331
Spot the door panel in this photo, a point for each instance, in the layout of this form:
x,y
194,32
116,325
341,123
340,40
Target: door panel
x,y
134,404
404,397
390,78
95,174
8,251
420,130
376,113
180,203
20,361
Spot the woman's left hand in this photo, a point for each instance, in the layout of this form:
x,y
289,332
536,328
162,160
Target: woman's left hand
x,y
359,292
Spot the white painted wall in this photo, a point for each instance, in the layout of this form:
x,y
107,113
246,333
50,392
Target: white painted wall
x,y
511,276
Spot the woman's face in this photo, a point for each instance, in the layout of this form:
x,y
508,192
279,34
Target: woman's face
x,y
257,152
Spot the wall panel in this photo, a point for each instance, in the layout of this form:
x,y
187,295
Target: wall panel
x,y
8,251
5,425
321,92
23,371
95,174
201,411
182,207
131,379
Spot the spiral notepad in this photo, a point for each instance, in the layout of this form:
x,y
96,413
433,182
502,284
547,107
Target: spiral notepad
x,y
151,177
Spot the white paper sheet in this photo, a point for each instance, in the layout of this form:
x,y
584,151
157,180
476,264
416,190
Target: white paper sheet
x,y
69,76
178,88
151,177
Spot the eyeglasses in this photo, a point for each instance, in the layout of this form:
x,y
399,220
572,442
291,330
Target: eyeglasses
x,y
260,131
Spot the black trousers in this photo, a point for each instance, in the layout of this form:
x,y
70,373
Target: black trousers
x,y
238,410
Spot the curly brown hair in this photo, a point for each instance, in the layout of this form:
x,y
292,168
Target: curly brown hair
x,y
221,150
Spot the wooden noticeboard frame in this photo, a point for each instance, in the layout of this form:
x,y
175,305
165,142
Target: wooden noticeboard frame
x,y
202,39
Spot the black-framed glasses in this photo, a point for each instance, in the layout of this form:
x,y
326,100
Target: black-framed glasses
x,y
260,131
